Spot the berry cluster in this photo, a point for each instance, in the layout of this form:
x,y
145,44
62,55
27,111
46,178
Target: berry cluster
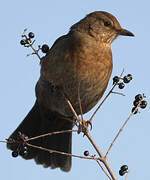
x,y
27,39
21,149
125,79
123,170
28,42
139,101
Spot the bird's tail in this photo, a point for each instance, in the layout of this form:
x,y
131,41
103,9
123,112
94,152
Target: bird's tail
x,y
40,121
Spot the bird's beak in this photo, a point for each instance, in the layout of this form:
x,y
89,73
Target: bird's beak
x,y
125,32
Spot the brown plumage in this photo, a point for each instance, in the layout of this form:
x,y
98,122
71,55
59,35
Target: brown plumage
x,y
84,57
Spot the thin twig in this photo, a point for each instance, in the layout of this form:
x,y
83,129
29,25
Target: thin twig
x,y
72,109
59,152
51,133
127,175
103,170
111,90
35,51
102,157
102,102
86,132
121,129
79,100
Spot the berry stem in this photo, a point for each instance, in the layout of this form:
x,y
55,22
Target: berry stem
x,y
110,92
121,129
30,44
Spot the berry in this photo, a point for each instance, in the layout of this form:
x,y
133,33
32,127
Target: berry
x,y
134,109
126,79
31,35
129,75
121,173
14,153
45,48
23,42
124,168
135,103
143,104
121,85
86,153
138,97
23,151
115,79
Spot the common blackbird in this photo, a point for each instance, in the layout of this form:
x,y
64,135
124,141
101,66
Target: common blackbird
x,y
80,59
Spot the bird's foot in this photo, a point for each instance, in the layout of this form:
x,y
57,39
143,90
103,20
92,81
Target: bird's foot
x,y
83,126
88,123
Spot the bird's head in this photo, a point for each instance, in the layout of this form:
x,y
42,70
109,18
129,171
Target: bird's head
x,y
101,25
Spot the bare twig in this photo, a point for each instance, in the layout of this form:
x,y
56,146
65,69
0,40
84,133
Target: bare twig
x,y
51,133
102,157
103,170
102,102
59,152
72,109
111,91
84,129
127,175
121,129
79,100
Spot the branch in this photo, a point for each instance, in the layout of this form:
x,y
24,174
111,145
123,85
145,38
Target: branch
x,y
103,170
102,157
49,134
111,91
60,152
121,129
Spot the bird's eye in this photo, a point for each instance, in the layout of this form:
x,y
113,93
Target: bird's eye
x,y
107,23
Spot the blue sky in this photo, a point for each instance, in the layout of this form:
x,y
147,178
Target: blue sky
x,y
19,74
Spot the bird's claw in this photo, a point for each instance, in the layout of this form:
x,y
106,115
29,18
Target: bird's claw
x,y
84,126
89,123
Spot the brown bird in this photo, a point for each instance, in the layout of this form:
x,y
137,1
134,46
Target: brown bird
x,y
81,57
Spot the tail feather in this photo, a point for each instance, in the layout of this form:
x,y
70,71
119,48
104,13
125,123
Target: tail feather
x,y
40,121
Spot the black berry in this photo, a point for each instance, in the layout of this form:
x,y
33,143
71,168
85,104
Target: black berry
x,y
143,104
124,168
121,173
129,75
135,103
133,109
139,97
86,153
14,153
31,35
45,48
115,79
121,85
23,150
23,42
126,79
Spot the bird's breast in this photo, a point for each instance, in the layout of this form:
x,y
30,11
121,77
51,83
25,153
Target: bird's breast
x,y
92,70
85,68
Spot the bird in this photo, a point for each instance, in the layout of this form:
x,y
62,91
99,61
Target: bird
x,y
78,63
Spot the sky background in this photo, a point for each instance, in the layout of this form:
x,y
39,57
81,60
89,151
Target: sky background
x,y
19,74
